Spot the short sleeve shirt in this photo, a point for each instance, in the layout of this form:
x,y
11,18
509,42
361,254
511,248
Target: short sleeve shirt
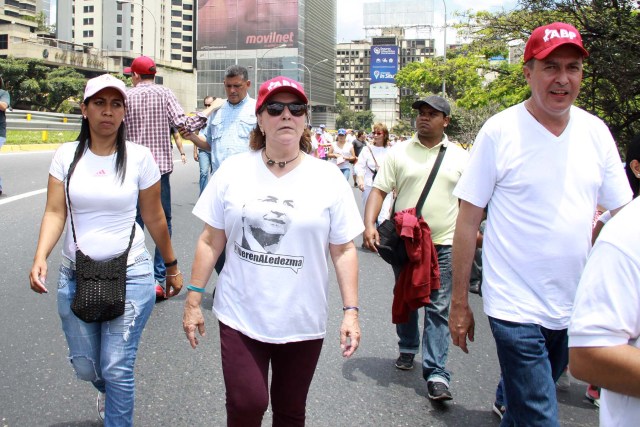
x,y
104,209
274,285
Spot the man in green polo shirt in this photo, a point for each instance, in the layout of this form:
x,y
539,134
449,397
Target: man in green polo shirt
x,y
406,168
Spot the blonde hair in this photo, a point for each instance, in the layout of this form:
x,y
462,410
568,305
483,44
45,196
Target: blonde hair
x,y
385,131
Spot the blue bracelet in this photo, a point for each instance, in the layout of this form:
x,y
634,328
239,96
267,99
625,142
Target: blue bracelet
x,y
195,288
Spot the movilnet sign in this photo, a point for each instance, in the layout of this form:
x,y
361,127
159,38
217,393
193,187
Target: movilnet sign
x,y
384,64
246,24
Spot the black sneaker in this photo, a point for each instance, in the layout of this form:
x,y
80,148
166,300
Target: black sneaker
x,y
438,391
498,409
405,361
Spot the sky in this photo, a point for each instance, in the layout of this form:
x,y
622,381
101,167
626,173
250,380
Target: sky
x,y
350,21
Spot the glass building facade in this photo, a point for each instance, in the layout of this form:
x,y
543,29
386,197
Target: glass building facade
x,y
294,38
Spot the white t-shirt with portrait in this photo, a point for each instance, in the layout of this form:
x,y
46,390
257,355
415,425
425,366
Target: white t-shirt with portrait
x,y
104,210
274,285
607,306
541,191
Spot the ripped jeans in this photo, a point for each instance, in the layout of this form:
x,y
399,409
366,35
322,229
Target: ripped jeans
x,y
104,353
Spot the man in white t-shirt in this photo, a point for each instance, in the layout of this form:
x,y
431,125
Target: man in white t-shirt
x,y
604,333
541,167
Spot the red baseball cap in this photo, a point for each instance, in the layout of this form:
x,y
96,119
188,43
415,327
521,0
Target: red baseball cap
x,y
141,65
547,38
278,85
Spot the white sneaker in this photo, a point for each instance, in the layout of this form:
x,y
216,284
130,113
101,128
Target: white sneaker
x,y
100,405
563,382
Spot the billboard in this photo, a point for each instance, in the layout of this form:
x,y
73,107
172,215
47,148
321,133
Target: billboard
x,y
384,64
246,24
398,13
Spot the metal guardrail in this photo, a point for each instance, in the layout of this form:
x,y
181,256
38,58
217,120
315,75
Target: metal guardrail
x,y
38,120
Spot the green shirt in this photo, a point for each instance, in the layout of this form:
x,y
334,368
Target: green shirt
x,y
406,168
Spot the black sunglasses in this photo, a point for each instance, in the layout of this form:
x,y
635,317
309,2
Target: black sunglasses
x,y
207,105
295,108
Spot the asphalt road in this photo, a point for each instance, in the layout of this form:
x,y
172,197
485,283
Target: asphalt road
x,y
178,386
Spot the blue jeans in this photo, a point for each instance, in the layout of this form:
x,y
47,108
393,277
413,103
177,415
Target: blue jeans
x,y
435,334
532,358
204,160
159,270
2,141
104,353
500,401
346,172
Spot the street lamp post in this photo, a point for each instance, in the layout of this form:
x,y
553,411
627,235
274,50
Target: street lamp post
x,y
444,77
310,82
255,83
155,23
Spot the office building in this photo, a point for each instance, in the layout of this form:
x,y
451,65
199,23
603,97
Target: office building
x,y
294,38
398,33
105,36
44,7
367,87
352,73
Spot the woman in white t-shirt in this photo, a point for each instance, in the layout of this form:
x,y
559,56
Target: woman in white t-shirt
x,y
106,178
342,153
271,296
366,168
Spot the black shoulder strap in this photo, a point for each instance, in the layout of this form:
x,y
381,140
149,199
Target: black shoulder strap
x,y
432,177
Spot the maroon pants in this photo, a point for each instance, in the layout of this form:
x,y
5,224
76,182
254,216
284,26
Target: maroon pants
x,y
245,366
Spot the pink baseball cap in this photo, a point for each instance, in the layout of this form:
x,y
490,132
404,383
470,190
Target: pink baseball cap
x,y
141,65
104,81
278,85
547,38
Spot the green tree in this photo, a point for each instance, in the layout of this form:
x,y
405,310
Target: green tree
x,y
36,86
403,127
61,84
611,34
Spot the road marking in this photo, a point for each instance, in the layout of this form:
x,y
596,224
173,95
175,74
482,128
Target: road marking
x,y
22,196
35,193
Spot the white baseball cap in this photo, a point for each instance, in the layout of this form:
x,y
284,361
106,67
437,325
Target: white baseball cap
x,y
104,81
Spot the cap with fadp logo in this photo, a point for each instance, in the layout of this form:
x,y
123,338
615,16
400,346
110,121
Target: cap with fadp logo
x,y
548,38
277,85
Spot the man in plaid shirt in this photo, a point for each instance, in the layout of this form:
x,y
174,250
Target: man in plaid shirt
x,y
151,110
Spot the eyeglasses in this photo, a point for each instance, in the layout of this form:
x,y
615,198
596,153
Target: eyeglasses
x,y
207,105
378,133
277,108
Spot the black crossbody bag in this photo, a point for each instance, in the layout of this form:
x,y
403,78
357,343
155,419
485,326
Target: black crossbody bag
x,y
392,248
101,286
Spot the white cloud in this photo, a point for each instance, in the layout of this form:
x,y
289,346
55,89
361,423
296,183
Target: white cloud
x,y
350,17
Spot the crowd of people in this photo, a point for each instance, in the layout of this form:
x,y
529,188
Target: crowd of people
x,y
526,195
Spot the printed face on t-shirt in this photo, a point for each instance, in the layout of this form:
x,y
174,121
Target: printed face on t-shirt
x,y
267,220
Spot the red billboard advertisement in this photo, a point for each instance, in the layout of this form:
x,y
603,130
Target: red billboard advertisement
x,y
246,24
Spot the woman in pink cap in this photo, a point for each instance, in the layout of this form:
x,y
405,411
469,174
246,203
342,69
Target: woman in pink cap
x,y
271,296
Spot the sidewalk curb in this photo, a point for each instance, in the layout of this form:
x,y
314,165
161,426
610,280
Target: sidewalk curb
x,y
16,148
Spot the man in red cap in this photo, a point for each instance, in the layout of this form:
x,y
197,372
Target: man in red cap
x,y
151,110
541,167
